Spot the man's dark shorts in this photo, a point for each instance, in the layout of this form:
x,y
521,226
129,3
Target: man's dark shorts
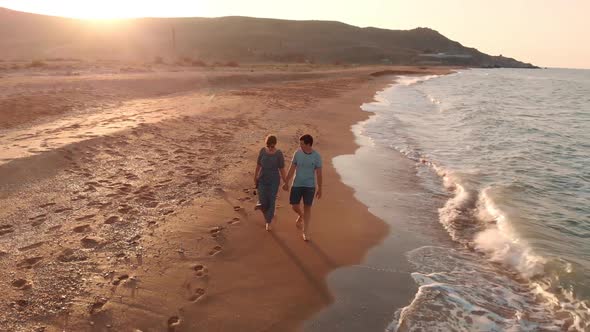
x,y
297,193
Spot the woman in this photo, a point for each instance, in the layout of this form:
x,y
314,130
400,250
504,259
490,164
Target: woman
x,y
270,168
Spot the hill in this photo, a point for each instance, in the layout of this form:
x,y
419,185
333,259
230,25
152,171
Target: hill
x,y
242,39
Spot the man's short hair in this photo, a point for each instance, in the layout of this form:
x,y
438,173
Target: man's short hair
x,y
307,139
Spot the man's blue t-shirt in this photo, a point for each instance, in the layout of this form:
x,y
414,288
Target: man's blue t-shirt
x,y
306,166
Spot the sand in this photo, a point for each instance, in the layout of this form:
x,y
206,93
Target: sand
x,y
126,200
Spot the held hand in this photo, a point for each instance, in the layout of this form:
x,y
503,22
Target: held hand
x,y
318,194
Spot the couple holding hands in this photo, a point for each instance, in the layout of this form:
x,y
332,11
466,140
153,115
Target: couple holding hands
x,y
306,165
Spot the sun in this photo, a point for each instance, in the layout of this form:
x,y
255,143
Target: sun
x,y
103,10
110,9
96,10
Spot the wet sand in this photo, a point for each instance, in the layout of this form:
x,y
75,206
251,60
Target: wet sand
x,y
135,210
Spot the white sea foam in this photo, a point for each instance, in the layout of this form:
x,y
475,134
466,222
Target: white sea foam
x,y
434,100
474,219
500,242
458,292
411,80
445,298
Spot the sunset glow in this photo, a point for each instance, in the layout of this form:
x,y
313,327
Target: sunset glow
x,y
101,10
546,34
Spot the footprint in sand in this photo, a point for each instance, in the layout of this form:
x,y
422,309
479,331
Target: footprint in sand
x,y
82,228
151,204
124,189
167,212
35,151
32,246
86,217
142,189
5,229
185,168
92,184
30,262
38,220
120,279
38,217
215,231
21,284
22,303
124,208
197,294
97,305
71,255
46,205
54,228
98,204
237,208
62,210
89,189
194,178
173,323
215,250
200,270
78,198
131,176
90,242
112,220
234,221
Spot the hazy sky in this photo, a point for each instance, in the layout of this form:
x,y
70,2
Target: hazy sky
x,y
553,33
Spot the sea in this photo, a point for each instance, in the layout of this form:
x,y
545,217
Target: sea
x,y
502,157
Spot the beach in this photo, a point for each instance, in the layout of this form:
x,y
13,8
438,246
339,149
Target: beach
x,y
133,209
135,140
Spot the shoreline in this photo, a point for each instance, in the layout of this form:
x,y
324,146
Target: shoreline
x,y
207,263
368,296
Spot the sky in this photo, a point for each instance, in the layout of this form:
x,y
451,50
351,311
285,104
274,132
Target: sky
x,y
547,33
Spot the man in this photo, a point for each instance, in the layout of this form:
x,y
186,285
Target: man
x,y
307,166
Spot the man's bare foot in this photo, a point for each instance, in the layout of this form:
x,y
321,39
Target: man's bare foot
x,y
305,237
268,228
298,222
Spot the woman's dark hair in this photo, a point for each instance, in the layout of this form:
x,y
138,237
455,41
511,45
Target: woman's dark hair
x,y
271,140
307,139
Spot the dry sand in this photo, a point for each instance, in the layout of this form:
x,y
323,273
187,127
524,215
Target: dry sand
x,y
126,200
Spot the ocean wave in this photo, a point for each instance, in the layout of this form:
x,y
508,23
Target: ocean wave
x,y
500,242
411,80
457,292
491,222
473,219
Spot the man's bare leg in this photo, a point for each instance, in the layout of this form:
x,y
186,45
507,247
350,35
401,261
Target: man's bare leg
x,y
297,210
306,220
